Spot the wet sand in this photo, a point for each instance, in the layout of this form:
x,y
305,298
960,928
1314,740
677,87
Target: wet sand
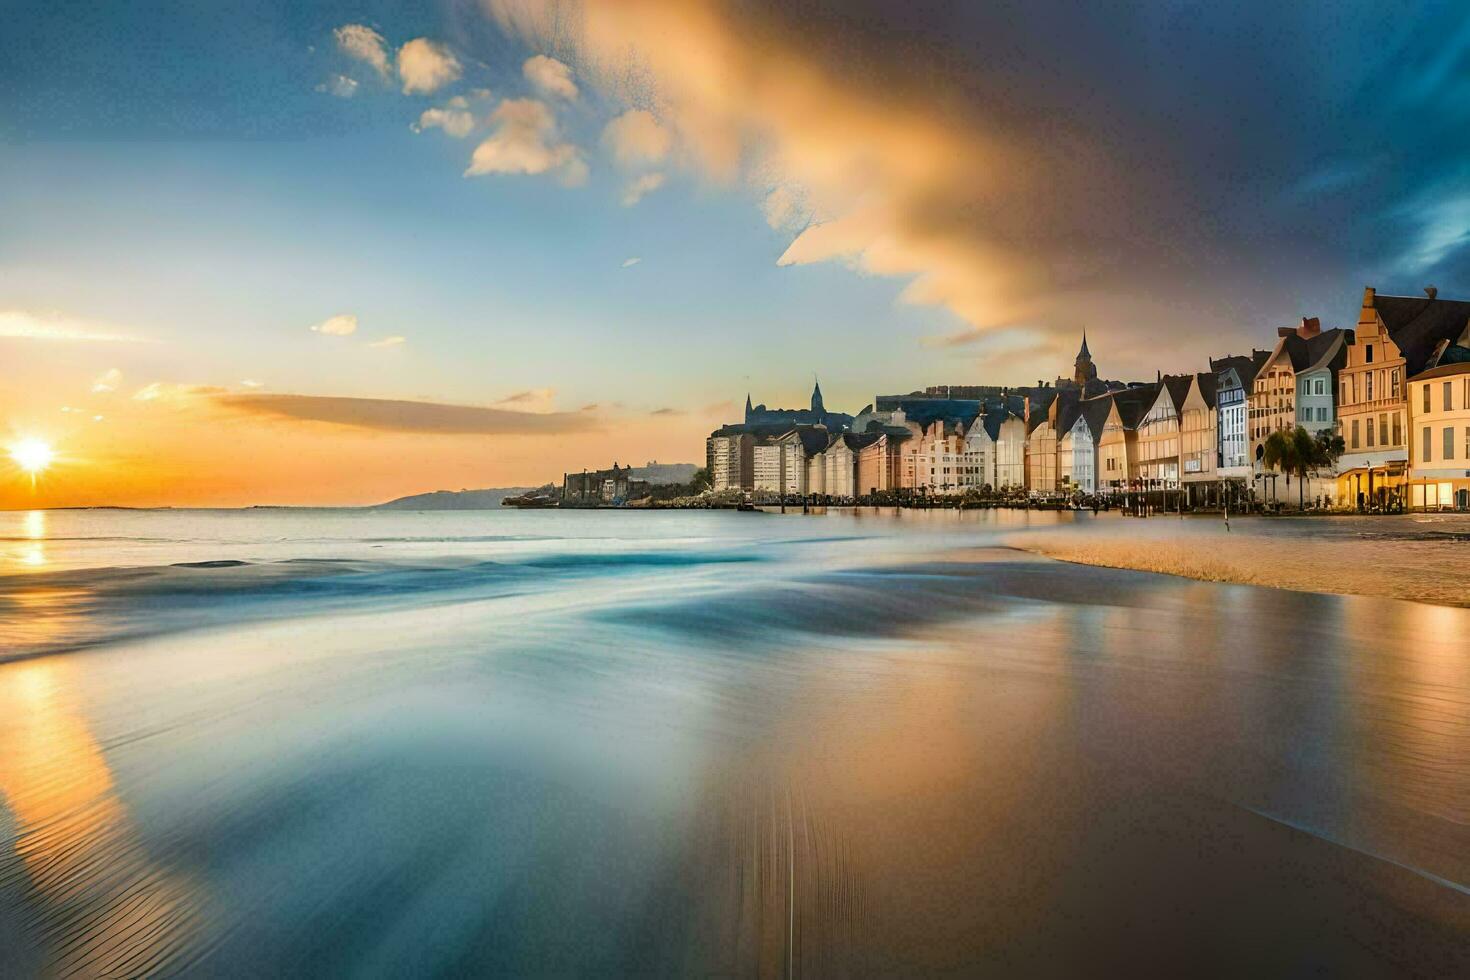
x,y
757,750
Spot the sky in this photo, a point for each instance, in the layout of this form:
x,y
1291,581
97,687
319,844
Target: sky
x,y
295,253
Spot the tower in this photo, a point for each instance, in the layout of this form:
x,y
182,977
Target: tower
x,y
817,398
1084,370
748,408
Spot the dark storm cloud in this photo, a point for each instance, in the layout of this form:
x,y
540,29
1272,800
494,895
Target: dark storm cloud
x,y
1177,177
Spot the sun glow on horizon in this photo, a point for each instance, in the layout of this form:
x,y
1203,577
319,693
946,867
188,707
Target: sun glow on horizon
x,y
33,456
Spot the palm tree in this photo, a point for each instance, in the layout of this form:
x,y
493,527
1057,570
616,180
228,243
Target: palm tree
x,y
1292,452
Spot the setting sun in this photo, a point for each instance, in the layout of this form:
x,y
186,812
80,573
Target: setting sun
x,y
32,455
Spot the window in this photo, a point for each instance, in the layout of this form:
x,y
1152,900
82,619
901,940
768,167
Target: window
x,y
1370,355
1370,432
1319,388
1426,399
1383,430
1398,430
1322,414
1449,398
1467,442
1449,443
1424,444
1355,433
1369,376
1346,392
1393,381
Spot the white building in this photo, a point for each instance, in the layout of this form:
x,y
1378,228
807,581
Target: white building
x,y
766,466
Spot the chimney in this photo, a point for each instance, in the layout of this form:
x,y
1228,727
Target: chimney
x,y
1311,327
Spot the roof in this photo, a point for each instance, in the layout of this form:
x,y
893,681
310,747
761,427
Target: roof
x,y
857,440
924,410
1443,371
1311,353
1095,411
1245,366
1133,403
1417,325
994,420
1208,385
1454,354
1178,387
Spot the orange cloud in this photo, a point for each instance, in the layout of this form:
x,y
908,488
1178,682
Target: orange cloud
x,y
886,170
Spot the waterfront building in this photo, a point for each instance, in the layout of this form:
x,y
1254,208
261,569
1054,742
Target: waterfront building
x,y
593,487
797,446
1008,434
729,458
816,469
881,459
1439,436
1198,437
1235,378
1159,445
841,462
1077,449
978,460
1042,408
766,465
1117,450
1397,337
1295,387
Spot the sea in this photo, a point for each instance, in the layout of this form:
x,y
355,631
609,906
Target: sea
x,y
294,742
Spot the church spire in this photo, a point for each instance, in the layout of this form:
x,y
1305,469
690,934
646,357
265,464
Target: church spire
x,y
1084,370
817,396
748,407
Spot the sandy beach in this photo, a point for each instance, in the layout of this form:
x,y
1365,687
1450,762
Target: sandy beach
x,y
332,743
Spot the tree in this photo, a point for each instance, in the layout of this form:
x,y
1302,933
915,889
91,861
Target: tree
x,y
700,480
1295,453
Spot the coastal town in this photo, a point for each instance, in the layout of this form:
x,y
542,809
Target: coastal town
x,y
1371,418
1374,418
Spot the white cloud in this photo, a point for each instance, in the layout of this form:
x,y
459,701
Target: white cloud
x,y
393,341
454,118
636,189
637,139
425,66
526,141
341,325
339,85
26,325
107,381
550,76
251,383
628,263
365,44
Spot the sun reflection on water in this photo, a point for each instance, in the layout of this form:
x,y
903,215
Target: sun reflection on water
x,y
113,911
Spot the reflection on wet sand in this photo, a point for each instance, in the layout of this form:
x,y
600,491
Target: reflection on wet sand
x,y
102,907
742,754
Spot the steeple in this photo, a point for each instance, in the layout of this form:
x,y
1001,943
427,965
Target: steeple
x,y
748,407
817,397
1084,371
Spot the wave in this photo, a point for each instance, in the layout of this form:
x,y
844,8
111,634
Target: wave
x,y
74,609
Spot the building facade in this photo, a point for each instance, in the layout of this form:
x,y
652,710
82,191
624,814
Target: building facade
x,y
1397,337
1439,438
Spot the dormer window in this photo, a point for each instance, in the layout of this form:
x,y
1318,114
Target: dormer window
x,y
1370,355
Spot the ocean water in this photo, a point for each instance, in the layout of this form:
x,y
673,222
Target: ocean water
x,y
306,743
